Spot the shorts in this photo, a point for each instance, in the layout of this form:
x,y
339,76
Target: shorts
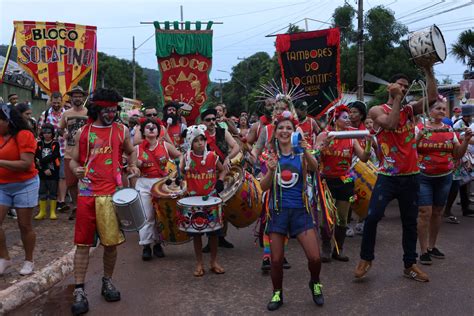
x,y
20,194
96,214
71,179
292,221
61,168
48,189
340,191
434,191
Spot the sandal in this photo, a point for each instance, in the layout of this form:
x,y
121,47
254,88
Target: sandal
x,y
199,272
452,220
217,269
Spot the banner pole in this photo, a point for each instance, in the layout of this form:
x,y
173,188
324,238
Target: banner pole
x,y
7,57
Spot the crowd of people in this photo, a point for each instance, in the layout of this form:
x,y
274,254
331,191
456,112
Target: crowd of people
x,y
86,150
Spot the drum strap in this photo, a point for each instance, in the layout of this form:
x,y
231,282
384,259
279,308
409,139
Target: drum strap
x,y
152,156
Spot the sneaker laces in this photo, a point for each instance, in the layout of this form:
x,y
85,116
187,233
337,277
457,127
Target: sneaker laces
x,y
317,288
107,283
79,295
276,296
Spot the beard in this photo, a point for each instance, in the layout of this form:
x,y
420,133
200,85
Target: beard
x,y
173,117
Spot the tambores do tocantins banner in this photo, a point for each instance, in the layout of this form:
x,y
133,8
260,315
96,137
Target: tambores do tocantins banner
x,y
57,55
311,60
184,61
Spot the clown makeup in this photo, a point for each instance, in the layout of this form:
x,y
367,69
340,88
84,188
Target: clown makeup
x,y
107,115
151,130
283,132
343,120
198,145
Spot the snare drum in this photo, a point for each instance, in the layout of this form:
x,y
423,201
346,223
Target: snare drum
x,y
366,176
427,46
198,215
129,208
165,198
242,197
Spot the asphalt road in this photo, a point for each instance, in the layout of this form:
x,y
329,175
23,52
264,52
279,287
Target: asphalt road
x,y
167,287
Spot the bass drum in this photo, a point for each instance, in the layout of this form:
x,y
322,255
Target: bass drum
x,y
366,176
242,197
165,198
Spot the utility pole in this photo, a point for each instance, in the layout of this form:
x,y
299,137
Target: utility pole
x,y
134,69
306,24
221,98
182,15
360,57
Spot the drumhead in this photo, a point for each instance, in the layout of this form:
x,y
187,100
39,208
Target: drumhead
x,y
125,196
438,42
198,201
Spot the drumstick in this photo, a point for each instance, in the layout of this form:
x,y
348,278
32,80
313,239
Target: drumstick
x,y
349,134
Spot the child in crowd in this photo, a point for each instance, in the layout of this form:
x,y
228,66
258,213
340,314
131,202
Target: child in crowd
x,y
204,175
47,162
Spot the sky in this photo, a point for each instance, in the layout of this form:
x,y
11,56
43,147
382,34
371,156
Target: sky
x,y
245,23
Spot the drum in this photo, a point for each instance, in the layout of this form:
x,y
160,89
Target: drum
x,y
242,197
427,46
129,208
165,198
198,214
366,176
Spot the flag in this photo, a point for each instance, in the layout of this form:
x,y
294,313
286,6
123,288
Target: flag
x,y
57,55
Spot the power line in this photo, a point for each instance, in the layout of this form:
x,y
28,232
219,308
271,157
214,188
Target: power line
x,y
422,9
258,11
442,12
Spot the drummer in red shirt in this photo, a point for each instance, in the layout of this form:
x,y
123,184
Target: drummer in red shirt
x,y
336,159
394,124
307,124
153,155
437,152
96,163
204,175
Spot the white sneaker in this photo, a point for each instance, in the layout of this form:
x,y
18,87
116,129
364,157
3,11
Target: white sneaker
x,y
349,232
28,267
4,264
359,228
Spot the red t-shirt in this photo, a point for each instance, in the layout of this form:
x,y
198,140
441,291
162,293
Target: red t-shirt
x,y
397,147
98,153
435,152
174,132
201,179
211,141
336,159
149,169
308,131
23,142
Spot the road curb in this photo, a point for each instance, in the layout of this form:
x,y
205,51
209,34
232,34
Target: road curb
x,y
34,285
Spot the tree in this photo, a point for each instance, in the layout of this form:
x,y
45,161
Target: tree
x,y
342,18
463,49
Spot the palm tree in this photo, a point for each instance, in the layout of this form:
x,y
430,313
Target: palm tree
x,y
463,49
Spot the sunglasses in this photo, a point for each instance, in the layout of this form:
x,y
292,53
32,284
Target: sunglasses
x,y
210,119
151,115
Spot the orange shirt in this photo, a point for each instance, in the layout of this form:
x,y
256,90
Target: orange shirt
x,y
23,142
